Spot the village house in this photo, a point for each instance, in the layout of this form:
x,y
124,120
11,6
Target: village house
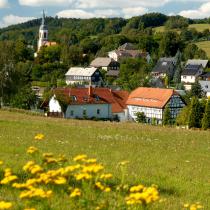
x,y
205,84
105,63
128,51
80,75
204,63
164,67
152,102
100,103
190,74
205,76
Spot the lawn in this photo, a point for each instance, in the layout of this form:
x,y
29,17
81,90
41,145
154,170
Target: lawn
x,y
205,45
176,160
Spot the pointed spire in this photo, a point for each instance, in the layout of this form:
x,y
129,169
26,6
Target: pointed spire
x,y
43,18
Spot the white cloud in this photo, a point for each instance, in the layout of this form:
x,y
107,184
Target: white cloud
x,y
39,3
202,12
130,12
4,3
77,13
12,20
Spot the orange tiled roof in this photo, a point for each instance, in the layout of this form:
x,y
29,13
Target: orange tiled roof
x,y
150,97
116,98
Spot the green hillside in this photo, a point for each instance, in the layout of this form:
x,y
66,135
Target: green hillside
x,y
205,45
198,27
175,160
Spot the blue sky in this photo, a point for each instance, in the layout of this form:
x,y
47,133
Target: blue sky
x,y
16,11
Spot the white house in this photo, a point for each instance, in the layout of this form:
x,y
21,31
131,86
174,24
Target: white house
x,y
191,74
152,102
205,84
80,75
204,63
101,103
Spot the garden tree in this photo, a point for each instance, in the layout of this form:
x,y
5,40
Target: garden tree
x,y
90,45
24,99
195,114
63,99
167,120
140,117
206,116
182,118
22,51
170,43
49,54
166,81
192,51
147,43
197,90
133,73
178,69
176,22
186,35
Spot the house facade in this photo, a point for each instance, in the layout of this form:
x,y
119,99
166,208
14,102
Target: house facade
x,y
190,74
128,51
205,84
164,67
79,75
105,64
100,103
152,102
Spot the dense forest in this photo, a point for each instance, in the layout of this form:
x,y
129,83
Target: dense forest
x,y
80,41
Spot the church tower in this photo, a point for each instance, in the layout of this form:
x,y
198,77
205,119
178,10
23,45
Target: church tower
x,y
43,33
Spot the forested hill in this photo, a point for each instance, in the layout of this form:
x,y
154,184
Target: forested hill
x,y
81,27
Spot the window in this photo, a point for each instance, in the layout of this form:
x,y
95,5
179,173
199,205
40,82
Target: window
x,y
84,113
72,113
98,111
45,35
73,98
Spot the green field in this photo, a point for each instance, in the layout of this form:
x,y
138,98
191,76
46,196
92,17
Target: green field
x,y
205,45
198,27
176,160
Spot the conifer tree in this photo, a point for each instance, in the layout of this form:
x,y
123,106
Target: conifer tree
x,y
167,116
206,117
195,114
197,90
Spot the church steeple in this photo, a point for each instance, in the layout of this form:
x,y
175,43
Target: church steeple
x,y
43,32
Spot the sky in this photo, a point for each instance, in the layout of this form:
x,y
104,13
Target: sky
x,y
18,11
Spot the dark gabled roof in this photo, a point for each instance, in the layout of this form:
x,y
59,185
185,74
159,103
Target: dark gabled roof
x,y
191,69
163,66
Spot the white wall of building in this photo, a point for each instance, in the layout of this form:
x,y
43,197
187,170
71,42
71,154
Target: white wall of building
x,y
113,55
188,79
54,105
91,110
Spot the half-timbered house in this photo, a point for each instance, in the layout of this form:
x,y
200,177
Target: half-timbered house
x,y
152,102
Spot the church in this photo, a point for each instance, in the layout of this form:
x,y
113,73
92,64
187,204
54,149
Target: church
x,y
43,36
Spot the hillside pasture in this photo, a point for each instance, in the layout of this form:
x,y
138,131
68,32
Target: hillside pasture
x,y
205,45
176,160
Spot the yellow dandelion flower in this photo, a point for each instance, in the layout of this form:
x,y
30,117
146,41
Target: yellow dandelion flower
x,y
5,205
1,162
60,180
136,188
80,158
29,209
106,176
32,150
76,193
39,136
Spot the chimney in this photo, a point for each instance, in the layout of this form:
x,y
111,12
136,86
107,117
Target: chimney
x,y
90,91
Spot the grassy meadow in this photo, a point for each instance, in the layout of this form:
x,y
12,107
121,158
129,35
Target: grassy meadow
x,y
198,27
205,45
176,160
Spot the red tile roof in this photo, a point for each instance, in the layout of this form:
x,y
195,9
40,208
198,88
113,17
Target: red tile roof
x,y
91,95
150,97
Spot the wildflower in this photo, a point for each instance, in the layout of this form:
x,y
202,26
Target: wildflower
x,y
5,205
1,162
80,158
32,150
83,176
39,137
95,168
106,176
76,193
90,161
136,188
30,209
60,180
8,177
123,163
47,155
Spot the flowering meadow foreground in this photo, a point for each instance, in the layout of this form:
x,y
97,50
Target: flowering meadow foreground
x,y
120,166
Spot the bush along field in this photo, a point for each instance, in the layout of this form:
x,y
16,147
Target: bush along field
x,y
121,166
